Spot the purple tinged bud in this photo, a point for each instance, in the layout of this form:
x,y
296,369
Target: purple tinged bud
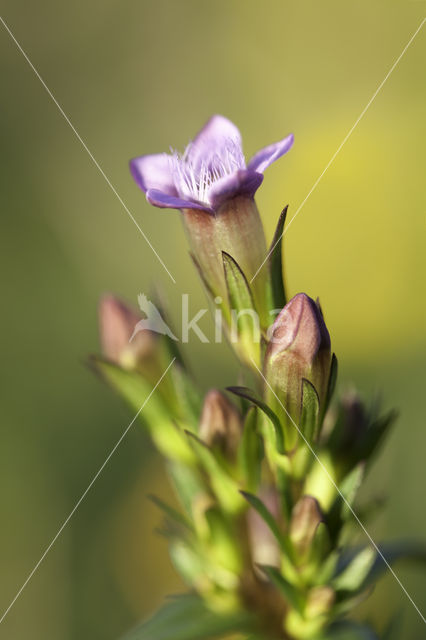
x,y
299,347
117,323
264,546
220,424
305,519
319,602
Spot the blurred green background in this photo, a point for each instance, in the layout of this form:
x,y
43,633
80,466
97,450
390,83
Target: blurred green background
x,y
137,77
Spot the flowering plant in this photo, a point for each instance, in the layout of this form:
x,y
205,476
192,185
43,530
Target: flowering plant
x,y
267,484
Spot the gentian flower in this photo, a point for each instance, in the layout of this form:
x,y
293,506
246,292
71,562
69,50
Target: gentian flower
x,y
214,188
211,170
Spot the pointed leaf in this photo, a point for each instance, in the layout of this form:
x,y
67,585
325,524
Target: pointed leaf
x,y
275,264
222,484
289,592
171,512
245,320
331,384
353,576
268,518
250,395
394,551
341,508
250,453
188,618
309,411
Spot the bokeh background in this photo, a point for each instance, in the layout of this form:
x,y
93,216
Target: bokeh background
x,y
137,77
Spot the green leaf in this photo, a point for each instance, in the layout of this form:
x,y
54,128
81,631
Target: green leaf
x,y
275,264
170,512
250,452
331,384
222,484
250,395
187,617
340,510
268,518
394,551
187,483
132,387
352,577
289,592
244,314
309,411
190,401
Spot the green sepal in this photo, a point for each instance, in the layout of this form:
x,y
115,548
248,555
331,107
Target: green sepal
x,y
275,265
290,593
250,452
187,561
187,483
187,617
269,520
320,549
223,485
348,601
250,395
309,414
190,401
171,513
340,510
331,386
223,549
240,301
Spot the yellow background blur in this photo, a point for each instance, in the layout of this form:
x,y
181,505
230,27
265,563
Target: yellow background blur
x,y
137,77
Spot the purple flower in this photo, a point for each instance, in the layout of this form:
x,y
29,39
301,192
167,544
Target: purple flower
x,y
211,170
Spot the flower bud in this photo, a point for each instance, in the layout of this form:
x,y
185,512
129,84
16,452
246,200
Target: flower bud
x,y
264,547
117,323
299,348
220,425
319,602
305,519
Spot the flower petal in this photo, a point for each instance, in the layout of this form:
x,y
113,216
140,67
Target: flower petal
x,y
266,156
240,183
213,138
154,172
166,201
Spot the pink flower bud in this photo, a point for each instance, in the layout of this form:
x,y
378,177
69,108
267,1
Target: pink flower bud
x,y
305,519
220,424
299,348
120,344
